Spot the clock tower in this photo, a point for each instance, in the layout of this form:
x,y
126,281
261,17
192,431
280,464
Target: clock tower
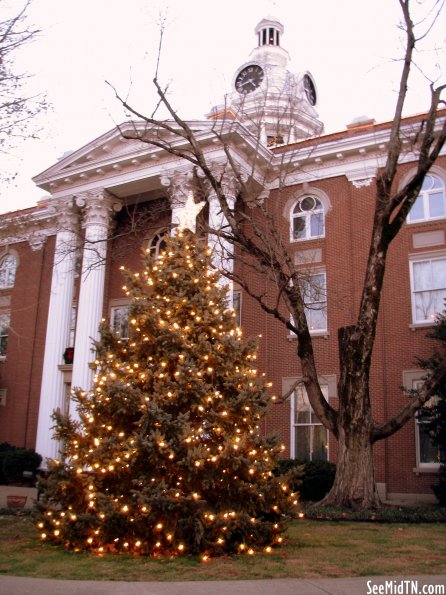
x,y
271,101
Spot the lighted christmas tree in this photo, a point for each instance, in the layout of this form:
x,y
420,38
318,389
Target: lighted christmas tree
x,y
168,457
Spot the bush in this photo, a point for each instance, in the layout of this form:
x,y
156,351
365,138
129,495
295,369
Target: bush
x,y
16,461
312,479
5,448
386,514
439,488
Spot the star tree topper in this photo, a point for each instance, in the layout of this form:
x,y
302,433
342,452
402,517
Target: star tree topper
x,y
187,215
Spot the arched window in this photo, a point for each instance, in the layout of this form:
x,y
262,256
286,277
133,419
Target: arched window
x,y
307,219
158,243
430,203
8,266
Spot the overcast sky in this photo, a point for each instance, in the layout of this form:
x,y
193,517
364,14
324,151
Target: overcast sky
x,y
349,46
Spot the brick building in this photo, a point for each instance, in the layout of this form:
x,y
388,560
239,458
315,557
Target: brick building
x,y
121,195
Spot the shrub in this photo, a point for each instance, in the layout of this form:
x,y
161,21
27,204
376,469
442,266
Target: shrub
x,y
18,460
439,488
312,479
5,448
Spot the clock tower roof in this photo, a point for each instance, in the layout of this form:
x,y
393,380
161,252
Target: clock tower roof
x,y
269,31
274,103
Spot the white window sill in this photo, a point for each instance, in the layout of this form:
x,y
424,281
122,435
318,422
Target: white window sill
x,y
2,358
426,220
297,241
420,325
324,334
434,468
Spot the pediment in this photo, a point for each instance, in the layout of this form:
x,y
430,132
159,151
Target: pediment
x,y
112,150
109,147
125,164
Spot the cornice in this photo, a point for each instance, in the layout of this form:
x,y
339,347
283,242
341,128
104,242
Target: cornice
x,y
357,156
128,166
102,163
33,227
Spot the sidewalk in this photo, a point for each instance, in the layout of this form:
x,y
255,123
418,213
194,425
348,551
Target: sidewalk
x,y
435,584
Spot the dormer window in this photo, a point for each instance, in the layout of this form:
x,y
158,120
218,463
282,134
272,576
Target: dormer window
x,y
274,140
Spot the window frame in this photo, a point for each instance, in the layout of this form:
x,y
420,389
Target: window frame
x,y
423,465
425,195
306,216
315,331
237,309
9,271
414,260
113,309
4,336
152,244
311,424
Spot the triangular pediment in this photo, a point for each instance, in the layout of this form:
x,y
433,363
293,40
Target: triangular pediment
x,y
123,164
109,147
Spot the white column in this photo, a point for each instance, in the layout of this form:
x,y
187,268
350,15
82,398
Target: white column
x,y
52,395
222,250
98,207
178,184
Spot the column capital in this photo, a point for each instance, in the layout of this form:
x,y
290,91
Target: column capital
x,y
178,183
98,206
65,213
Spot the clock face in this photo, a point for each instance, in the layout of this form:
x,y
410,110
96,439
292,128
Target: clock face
x,y
249,79
310,90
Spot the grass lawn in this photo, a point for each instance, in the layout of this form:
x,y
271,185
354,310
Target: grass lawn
x,y
312,549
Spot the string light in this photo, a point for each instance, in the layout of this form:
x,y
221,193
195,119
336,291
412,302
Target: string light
x,y
130,420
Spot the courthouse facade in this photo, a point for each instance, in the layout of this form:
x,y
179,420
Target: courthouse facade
x,y
120,196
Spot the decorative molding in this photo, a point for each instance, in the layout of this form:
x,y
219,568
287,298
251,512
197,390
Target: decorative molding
x,y
178,184
98,207
361,177
428,238
362,183
304,257
37,241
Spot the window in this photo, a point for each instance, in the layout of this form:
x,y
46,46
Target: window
x,y
4,332
428,454
307,219
120,321
430,203
8,266
72,334
309,438
274,140
428,285
158,243
237,305
314,294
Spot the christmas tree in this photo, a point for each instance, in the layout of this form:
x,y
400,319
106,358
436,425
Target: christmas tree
x,y
167,457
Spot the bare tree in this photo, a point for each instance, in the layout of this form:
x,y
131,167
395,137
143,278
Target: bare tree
x,y
17,108
256,242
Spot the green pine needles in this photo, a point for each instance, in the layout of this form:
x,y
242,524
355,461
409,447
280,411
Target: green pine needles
x,y
167,457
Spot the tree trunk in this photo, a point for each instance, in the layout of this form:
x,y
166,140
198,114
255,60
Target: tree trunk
x,y
354,485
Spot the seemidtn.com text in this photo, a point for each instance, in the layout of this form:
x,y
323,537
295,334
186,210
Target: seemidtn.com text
x,y
403,587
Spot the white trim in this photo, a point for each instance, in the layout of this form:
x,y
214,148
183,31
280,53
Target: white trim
x,y
419,258
122,306
410,380
293,425
439,174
